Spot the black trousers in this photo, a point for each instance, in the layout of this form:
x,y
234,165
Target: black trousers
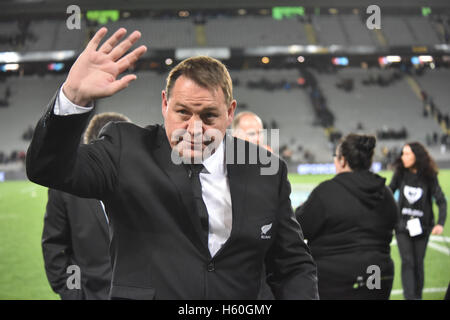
x,y
412,253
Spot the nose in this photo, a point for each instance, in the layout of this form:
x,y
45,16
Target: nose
x,y
195,127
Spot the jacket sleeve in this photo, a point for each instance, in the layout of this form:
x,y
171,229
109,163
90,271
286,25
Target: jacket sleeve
x,y
57,245
311,216
292,273
393,206
395,182
56,159
441,201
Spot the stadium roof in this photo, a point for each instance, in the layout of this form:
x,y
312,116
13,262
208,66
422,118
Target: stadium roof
x,y
52,6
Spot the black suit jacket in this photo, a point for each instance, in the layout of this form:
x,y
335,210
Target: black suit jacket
x,y
156,246
76,233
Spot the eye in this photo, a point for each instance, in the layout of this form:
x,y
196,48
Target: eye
x,y
209,117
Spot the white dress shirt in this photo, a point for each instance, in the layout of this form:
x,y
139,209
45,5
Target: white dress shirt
x,y
217,197
104,212
64,107
215,185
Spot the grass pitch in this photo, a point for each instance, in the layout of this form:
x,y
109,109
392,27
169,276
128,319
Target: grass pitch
x,y
22,207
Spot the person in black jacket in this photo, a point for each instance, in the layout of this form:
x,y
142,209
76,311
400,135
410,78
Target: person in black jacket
x,y
178,230
416,179
348,222
75,238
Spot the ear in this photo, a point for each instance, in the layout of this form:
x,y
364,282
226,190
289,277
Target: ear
x,y
230,111
342,162
164,103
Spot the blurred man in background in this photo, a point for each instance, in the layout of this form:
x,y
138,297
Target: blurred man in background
x,y
248,126
76,234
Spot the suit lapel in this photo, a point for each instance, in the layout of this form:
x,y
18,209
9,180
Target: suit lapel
x,y
179,178
97,209
237,178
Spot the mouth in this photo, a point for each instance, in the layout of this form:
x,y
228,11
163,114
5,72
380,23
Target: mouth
x,y
193,146
196,144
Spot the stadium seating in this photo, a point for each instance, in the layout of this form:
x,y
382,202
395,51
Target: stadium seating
x,y
436,83
141,101
393,106
289,108
160,33
227,31
8,31
330,31
423,30
29,97
259,31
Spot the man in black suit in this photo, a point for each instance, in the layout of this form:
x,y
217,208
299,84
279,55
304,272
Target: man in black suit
x,y
75,238
178,231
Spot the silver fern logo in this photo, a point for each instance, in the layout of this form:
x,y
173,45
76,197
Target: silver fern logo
x,y
264,230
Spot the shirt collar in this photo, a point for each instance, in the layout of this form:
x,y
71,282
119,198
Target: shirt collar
x,y
215,164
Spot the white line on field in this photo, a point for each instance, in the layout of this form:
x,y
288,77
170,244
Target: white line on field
x,y
440,238
433,245
439,248
426,290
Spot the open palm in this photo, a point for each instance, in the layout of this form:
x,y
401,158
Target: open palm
x,y
94,74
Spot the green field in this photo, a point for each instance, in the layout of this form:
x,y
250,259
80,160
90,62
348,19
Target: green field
x,y
22,275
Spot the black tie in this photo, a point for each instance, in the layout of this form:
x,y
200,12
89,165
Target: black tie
x,y
199,205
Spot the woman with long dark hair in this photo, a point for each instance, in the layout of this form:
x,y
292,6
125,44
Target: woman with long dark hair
x,y
415,176
349,223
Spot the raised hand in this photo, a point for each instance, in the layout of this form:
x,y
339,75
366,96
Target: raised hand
x,y
94,74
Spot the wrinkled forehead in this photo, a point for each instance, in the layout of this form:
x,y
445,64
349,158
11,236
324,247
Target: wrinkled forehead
x,y
189,90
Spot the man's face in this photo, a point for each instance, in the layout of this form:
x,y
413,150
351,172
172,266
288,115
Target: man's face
x,y
249,129
195,117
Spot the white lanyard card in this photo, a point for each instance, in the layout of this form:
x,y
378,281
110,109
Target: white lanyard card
x,y
414,227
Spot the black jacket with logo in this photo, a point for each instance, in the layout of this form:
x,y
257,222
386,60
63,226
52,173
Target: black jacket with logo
x,y
415,200
157,245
